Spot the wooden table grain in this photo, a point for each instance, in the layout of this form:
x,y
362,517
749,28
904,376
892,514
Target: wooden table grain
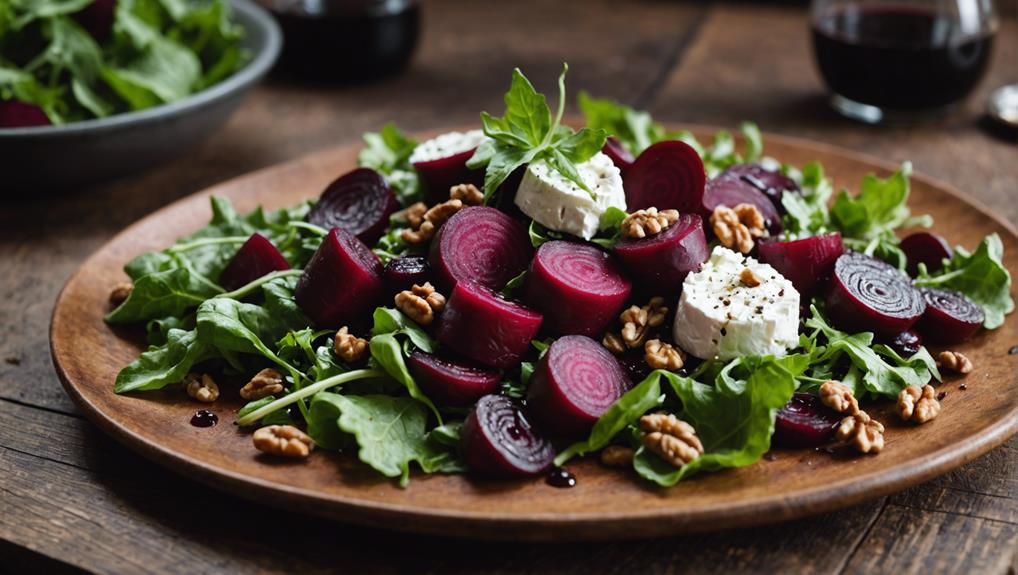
x,y
71,498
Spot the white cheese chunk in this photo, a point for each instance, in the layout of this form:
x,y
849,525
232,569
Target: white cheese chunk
x,y
558,204
718,316
445,145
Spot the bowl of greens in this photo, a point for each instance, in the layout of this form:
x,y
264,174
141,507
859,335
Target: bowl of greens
x,y
95,89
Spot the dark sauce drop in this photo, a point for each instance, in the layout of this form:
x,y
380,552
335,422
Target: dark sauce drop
x,y
560,477
204,418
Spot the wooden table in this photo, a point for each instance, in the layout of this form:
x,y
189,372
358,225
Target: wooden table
x,y
72,498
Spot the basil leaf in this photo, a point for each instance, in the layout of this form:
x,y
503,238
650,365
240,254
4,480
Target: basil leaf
x,y
980,276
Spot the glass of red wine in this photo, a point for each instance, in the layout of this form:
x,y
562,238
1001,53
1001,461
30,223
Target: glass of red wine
x,y
901,61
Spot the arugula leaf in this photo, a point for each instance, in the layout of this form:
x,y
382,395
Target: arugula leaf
x,y
165,364
162,294
389,354
388,151
980,276
635,129
323,422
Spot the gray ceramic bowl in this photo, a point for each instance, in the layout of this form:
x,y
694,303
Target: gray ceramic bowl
x,y
63,157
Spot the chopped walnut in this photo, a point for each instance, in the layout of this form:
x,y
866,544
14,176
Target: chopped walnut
x,y
865,434
736,227
614,343
661,355
918,405
955,361
421,303
265,383
121,292
638,321
748,278
433,219
201,387
617,456
412,215
421,235
285,440
467,193
838,397
669,437
349,347
648,222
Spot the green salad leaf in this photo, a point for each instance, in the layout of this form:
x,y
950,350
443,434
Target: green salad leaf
x,y
390,355
980,276
165,364
388,151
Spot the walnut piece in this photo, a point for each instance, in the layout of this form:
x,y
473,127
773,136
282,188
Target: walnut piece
x,y
748,278
736,227
121,292
955,361
421,303
201,387
660,355
467,193
637,322
284,440
648,222
349,347
617,456
412,215
669,437
432,220
866,435
838,397
613,342
918,405
265,383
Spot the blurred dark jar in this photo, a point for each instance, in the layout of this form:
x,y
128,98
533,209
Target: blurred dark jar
x,y
345,41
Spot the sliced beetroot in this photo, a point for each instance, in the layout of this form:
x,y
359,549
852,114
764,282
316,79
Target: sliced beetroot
x,y
14,114
482,245
659,263
619,155
906,343
403,272
256,258
498,441
449,382
772,184
926,248
950,317
342,283
578,287
667,175
481,325
731,190
359,202
807,263
804,422
866,294
575,382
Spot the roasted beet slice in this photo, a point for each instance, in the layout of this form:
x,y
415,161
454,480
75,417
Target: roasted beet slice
x,y
359,202
619,155
659,263
772,184
14,114
667,175
578,287
480,244
448,382
575,382
927,248
498,441
906,343
257,257
730,191
342,283
481,325
804,422
807,263
441,163
866,294
403,272
950,317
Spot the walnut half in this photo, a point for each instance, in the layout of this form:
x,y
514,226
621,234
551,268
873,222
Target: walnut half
x,y
737,227
865,434
918,405
660,355
283,440
955,361
265,383
349,347
201,387
670,438
648,222
838,397
420,303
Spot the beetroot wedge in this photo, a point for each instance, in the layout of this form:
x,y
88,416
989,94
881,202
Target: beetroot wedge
x,y
359,202
576,381
342,283
403,272
804,422
772,184
950,317
441,163
577,287
925,248
731,190
866,294
807,263
658,264
482,245
449,382
14,114
257,257
619,155
498,441
667,175
486,328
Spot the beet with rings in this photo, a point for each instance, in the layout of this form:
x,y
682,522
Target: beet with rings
x,y
659,263
771,183
498,440
950,317
479,244
359,202
667,175
866,294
